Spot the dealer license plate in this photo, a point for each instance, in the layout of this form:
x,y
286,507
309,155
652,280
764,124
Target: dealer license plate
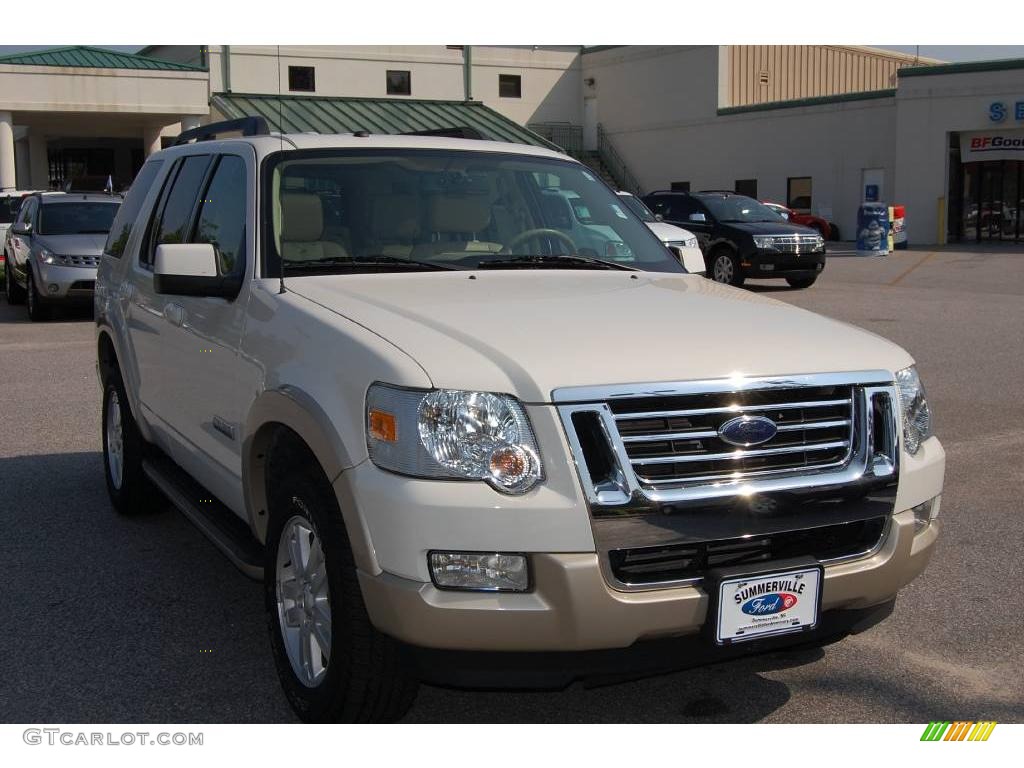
x,y
775,604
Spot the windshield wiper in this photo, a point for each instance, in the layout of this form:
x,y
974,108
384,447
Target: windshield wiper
x,y
376,260
553,259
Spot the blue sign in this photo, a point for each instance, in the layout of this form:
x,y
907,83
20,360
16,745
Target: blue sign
x,y
998,110
871,193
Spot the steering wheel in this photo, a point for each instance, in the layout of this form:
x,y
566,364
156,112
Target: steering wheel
x,y
522,237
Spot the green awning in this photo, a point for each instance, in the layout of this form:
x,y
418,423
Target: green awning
x,y
97,58
324,114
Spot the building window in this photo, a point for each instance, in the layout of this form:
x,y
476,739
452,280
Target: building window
x,y
399,82
798,193
301,79
746,187
680,186
510,86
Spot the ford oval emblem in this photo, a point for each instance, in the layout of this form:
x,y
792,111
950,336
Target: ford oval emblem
x,y
745,431
766,605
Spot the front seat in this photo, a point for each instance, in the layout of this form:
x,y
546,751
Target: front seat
x,y
302,229
455,222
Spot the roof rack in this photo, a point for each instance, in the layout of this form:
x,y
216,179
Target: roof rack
x,y
457,132
253,125
717,192
668,192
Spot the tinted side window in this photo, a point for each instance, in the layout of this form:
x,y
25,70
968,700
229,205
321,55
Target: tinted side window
x,y
122,226
222,215
658,205
684,206
180,202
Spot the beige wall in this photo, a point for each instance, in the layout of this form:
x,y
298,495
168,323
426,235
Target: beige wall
x,y
763,73
550,74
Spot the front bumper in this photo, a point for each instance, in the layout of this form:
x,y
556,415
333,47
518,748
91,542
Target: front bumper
x,y
572,608
66,284
770,263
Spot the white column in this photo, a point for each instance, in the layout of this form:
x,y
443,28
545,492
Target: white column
x,y
151,139
7,178
38,161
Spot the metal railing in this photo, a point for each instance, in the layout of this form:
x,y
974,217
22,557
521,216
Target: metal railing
x,y
616,166
566,135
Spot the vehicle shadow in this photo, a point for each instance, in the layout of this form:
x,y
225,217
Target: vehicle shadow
x,y
16,313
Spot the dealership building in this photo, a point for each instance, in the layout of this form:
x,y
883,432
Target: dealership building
x,y
819,128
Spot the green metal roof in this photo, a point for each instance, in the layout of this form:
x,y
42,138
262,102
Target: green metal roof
x,y
87,56
333,114
995,65
808,102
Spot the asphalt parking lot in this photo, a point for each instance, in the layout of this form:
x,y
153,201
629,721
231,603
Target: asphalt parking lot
x,y
141,620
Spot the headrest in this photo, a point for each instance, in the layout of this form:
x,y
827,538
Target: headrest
x,y
302,217
459,214
396,216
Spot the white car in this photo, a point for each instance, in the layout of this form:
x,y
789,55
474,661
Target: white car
x,y
682,241
457,445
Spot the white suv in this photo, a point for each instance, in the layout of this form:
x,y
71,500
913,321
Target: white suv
x,y
450,439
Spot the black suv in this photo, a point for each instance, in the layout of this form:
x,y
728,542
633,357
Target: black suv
x,y
742,238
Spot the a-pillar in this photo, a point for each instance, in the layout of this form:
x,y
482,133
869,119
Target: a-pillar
x,y
7,174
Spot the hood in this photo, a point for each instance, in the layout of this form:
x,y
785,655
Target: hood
x,y
669,233
528,332
779,227
82,245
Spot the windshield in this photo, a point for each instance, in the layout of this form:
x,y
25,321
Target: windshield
x,y
636,205
76,218
389,210
739,208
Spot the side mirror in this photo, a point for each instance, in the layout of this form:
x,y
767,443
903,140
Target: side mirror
x,y
698,218
658,217
784,214
190,269
22,229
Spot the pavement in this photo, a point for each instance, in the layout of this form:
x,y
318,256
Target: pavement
x,y
141,620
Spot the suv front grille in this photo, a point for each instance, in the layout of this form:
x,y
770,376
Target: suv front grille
x,y
676,441
82,261
653,565
795,243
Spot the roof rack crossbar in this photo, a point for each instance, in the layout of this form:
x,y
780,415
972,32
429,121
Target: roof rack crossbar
x,y
251,125
455,132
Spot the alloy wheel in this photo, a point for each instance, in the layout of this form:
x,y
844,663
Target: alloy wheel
x,y
303,600
723,271
115,439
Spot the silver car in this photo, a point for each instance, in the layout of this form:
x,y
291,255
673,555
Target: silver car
x,y
54,247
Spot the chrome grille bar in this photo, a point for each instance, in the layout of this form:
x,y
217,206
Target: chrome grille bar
x,y
737,409
741,454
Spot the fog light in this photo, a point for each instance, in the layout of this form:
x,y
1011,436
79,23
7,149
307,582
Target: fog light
x,y
53,288
925,513
479,572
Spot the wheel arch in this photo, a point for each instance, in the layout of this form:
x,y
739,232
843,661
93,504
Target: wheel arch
x,y
293,411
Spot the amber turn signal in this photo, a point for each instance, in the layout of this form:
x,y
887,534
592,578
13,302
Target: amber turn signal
x,y
382,426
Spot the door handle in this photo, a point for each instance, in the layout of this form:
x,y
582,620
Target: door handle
x,y
174,314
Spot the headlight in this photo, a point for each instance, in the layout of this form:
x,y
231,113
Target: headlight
x,y
691,242
452,434
819,242
764,242
917,417
49,257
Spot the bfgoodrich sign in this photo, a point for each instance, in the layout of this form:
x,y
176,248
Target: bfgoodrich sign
x,y
991,145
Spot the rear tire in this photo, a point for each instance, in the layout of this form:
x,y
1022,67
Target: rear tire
x,y
14,293
801,282
37,311
123,447
725,267
364,675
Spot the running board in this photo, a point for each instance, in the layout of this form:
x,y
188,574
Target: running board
x,y
214,520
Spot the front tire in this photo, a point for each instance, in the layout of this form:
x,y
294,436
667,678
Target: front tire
x,y
37,311
127,484
725,267
14,293
801,282
333,664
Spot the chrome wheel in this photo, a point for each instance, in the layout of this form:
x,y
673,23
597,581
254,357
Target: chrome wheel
x,y
724,269
303,600
115,439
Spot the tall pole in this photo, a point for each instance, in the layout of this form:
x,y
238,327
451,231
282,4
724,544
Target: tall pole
x,y
467,71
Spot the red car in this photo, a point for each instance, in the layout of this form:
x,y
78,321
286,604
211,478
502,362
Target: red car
x,y
825,228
